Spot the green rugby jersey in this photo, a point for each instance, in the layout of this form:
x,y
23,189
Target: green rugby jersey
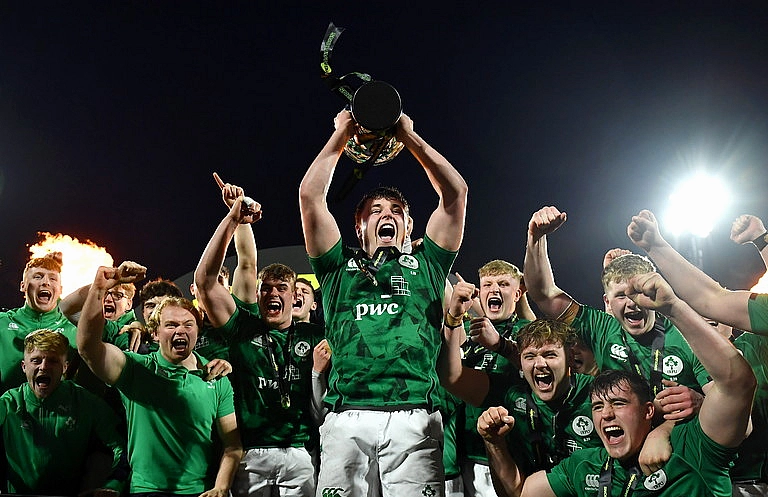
x,y
752,461
757,307
478,357
172,415
385,337
47,441
15,325
262,419
209,342
698,467
613,348
545,436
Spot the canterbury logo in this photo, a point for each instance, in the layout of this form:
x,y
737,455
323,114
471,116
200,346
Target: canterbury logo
x,y
618,351
332,492
592,481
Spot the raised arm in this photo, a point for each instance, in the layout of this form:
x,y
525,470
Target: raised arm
x,y
104,359
245,277
320,229
539,279
216,299
724,414
468,384
72,304
508,481
446,224
700,291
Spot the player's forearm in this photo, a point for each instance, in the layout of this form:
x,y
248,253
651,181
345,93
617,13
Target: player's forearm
x,y
228,467
245,276
540,280
719,357
207,271
445,179
689,282
90,327
507,478
317,180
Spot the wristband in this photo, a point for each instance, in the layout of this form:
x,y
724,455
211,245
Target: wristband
x,y
503,348
761,241
451,321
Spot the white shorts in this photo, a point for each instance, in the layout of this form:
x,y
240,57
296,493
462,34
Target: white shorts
x,y
283,471
454,487
391,454
477,479
744,489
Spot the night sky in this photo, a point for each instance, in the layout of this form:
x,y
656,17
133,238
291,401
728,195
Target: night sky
x,y
113,115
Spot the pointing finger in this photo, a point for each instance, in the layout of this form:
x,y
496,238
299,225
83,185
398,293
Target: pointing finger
x,y
218,180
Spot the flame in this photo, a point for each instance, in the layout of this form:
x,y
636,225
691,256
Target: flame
x,y
79,259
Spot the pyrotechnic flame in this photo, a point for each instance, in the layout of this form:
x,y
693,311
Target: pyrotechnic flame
x,y
79,259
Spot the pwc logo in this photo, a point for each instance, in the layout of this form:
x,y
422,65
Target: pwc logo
x,y
379,309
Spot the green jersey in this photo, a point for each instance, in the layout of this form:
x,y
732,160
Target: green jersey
x,y
543,436
752,461
757,307
384,327
263,419
212,346
172,415
450,414
616,349
698,467
48,441
15,325
503,372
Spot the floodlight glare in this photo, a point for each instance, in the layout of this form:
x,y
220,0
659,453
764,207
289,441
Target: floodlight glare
x,y
696,205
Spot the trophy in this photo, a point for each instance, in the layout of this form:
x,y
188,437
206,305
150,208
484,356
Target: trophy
x,y
375,107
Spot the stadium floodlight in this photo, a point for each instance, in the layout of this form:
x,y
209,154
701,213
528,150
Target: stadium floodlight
x,y
695,205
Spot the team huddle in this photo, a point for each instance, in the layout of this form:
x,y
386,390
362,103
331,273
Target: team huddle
x,y
398,383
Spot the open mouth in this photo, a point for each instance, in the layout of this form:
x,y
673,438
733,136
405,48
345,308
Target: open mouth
x,y
44,295
544,381
387,232
43,381
613,434
109,309
634,317
274,306
494,304
298,303
179,343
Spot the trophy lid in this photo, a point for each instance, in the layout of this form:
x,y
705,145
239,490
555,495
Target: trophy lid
x,y
376,106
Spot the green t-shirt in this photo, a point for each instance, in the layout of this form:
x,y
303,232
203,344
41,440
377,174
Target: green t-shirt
x,y
757,307
698,467
478,357
172,414
262,419
15,325
543,436
48,441
752,461
613,348
386,336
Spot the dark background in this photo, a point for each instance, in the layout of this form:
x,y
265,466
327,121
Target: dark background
x,y
114,114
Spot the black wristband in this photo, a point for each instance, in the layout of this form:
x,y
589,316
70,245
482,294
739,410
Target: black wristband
x,y
760,242
503,348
